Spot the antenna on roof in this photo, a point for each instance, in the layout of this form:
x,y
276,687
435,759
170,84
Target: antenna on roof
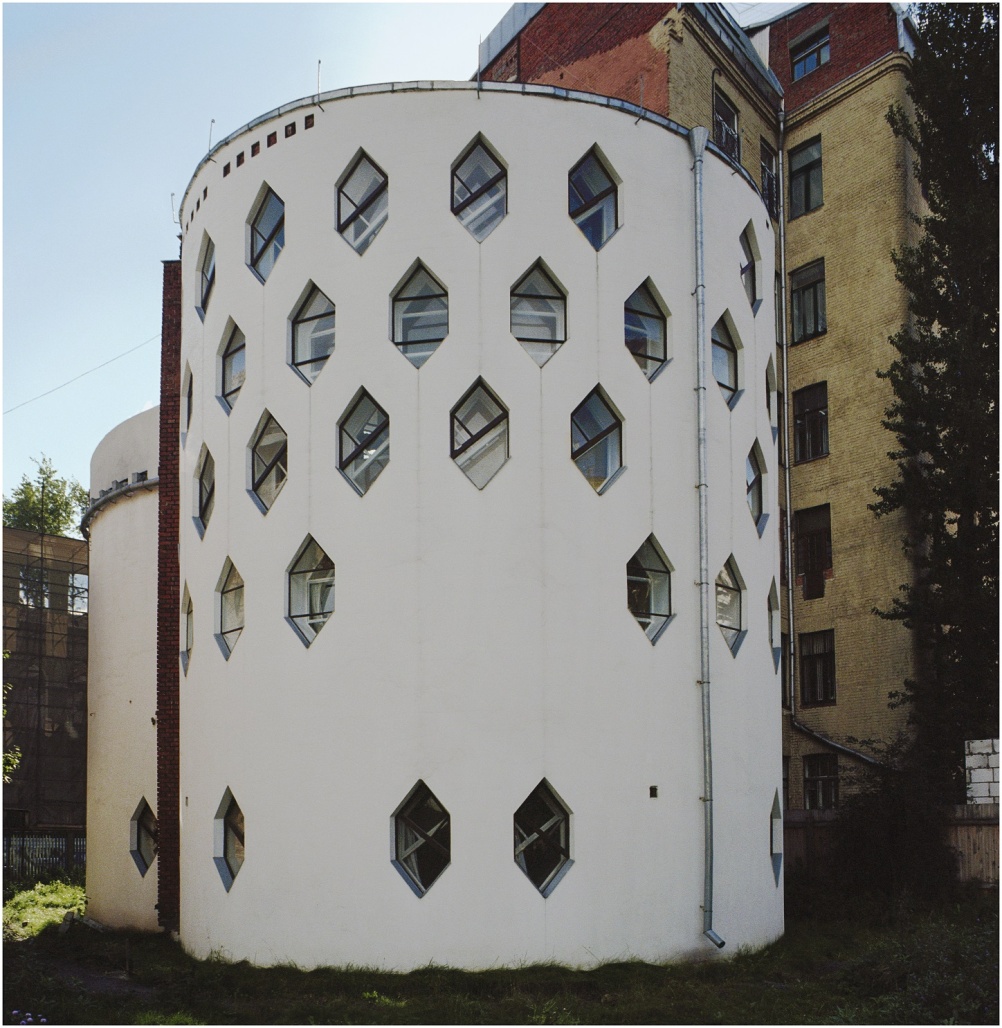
x,y
209,151
642,112
318,86
173,213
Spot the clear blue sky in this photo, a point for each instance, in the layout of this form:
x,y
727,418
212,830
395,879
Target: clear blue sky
x,y
106,112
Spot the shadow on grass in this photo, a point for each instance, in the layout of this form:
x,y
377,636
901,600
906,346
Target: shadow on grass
x,y
865,963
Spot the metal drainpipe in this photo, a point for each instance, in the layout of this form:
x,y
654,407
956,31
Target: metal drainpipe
x,y
697,143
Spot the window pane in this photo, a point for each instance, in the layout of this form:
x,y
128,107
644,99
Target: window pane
x,y
363,204
592,200
313,334
479,193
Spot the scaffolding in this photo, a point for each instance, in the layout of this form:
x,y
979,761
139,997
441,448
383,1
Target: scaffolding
x,y
45,642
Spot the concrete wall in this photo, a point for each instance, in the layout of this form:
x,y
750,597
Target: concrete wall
x,y
480,640
121,752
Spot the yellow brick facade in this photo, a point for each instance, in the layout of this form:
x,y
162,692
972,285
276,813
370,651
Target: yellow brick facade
x,y
866,175
693,55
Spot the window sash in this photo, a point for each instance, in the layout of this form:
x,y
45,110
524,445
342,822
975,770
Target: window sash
x,y
313,334
753,485
479,192
646,330
810,422
817,668
365,442
206,489
820,781
809,55
807,289
592,200
208,274
725,360
542,837
806,183
234,366
362,203
267,234
270,462
233,838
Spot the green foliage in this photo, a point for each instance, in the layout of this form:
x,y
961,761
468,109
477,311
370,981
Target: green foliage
x,y
945,382
862,961
31,911
12,756
48,504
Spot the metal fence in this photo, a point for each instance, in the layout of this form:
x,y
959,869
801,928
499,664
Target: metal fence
x,y
39,854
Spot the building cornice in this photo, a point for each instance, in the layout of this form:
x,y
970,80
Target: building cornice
x,y
887,65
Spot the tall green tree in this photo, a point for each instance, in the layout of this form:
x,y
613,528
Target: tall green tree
x,y
945,381
46,503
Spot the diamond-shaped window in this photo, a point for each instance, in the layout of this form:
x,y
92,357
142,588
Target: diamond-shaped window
x,y
648,588
233,366
363,202
538,314
205,490
143,836
646,329
267,233
230,610
479,191
480,434
364,433
597,439
420,315
730,616
228,839
592,199
542,838
421,839
312,334
311,590
269,455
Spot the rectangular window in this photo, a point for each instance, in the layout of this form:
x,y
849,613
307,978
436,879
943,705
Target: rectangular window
x,y
807,301
817,667
786,783
806,188
810,422
813,531
770,183
725,125
821,781
809,54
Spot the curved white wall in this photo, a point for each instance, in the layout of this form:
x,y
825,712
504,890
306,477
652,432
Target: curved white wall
x,y
121,674
481,639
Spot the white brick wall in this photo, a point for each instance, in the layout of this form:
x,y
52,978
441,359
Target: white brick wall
x,y
981,760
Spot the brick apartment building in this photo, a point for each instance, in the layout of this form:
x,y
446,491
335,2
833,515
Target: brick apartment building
x,y
799,98
45,591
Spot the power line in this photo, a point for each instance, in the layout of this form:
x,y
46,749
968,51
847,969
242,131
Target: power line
x,y
89,371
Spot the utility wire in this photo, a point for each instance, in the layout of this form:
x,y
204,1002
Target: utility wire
x,y
97,367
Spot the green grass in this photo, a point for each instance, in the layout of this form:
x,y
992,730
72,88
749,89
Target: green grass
x,y
853,963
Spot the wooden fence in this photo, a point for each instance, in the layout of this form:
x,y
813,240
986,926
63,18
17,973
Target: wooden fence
x,y
972,833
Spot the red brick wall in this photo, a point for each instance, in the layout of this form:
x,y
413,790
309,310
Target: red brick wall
x,y
168,605
859,33
597,48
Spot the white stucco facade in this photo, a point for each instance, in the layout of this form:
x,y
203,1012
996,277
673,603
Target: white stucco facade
x,y
481,641
121,681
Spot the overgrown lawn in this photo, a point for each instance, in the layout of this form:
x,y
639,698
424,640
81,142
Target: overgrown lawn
x,y
854,963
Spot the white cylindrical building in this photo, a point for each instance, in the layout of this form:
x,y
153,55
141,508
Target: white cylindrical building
x,y
121,527
440,689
